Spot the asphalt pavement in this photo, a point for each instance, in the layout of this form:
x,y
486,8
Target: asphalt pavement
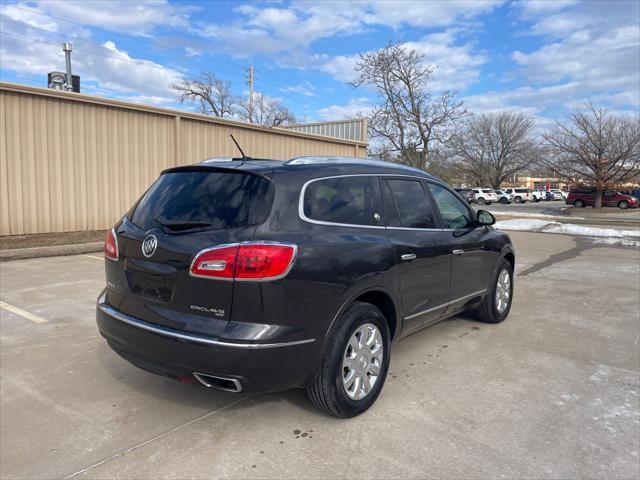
x,y
553,392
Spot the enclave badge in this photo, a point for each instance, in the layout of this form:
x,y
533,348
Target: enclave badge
x,y
149,245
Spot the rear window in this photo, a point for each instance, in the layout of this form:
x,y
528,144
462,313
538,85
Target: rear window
x,y
406,204
201,199
349,200
488,191
521,190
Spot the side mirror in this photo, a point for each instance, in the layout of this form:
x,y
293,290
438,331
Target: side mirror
x,y
486,218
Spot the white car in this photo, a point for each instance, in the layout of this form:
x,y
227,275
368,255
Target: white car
x,y
485,196
520,195
504,197
557,190
538,195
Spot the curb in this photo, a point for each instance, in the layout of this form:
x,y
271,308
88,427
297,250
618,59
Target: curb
x,y
55,251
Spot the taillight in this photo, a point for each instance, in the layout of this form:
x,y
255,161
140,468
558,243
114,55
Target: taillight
x,y
247,261
111,245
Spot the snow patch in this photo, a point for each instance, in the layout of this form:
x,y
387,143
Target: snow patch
x,y
547,226
531,215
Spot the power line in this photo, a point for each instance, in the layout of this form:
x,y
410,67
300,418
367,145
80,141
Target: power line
x,y
151,64
173,50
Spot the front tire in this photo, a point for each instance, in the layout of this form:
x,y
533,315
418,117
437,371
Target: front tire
x,y
355,363
623,205
497,303
480,201
504,200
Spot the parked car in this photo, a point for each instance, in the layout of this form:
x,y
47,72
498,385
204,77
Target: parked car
x,y
551,195
504,197
538,195
610,198
562,193
520,195
468,194
263,275
485,196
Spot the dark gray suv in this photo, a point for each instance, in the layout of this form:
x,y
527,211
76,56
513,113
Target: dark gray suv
x,y
261,275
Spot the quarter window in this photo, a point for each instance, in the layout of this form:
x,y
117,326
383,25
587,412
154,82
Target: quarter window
x,y
412,209
454,213
350,200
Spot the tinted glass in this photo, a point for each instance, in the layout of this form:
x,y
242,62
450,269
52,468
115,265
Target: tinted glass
x,y
454,213
197,199
412,207
353,200
521,190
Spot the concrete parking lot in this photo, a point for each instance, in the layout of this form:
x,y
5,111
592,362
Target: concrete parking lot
x,y
553,392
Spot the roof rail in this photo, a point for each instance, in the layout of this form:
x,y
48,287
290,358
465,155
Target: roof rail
x,y
312,160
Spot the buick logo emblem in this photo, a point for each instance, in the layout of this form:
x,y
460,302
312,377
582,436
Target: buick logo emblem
x,y
149,245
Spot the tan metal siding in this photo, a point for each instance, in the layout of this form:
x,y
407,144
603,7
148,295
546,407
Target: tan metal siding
x,y
72,162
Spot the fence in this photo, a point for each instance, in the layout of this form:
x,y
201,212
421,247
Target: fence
x,y
72,162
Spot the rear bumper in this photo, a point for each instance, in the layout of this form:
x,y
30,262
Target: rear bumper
x,y
258,367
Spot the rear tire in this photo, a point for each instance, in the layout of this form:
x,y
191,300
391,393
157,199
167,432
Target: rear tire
x,y
579,204
518,200
623,205
480,201
496,304
328,391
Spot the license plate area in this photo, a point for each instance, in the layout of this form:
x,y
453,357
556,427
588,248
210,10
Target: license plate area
x,y
149,285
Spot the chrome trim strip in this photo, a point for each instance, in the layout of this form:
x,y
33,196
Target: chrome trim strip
x,y
479,292
201,377
191,337
304,218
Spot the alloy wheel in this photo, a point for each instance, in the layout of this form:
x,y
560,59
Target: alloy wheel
x,y
362,361
503,291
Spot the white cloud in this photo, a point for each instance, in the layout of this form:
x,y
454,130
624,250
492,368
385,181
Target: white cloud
x,y
306,88
137,17
426,14
271,29
456,66
111,67
355,107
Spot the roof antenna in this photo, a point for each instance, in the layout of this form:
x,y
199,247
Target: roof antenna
x,y
237,145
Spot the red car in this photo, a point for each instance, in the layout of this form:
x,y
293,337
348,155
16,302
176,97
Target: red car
x,y
610,198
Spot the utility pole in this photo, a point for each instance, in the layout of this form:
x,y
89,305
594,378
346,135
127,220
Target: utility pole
x,y
250,83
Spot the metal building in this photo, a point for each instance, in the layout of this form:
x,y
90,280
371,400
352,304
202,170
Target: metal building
x,y
73,162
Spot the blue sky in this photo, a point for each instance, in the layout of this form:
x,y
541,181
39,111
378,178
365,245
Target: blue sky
x,y
539,57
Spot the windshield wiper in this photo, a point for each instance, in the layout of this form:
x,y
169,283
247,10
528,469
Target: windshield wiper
x,y
182,225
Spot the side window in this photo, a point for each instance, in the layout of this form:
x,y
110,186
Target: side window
x,y
453,212
412,208
352,200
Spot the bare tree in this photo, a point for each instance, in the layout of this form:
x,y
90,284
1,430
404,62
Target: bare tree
x,y
596,147
267,111
410,123
211,93
495,146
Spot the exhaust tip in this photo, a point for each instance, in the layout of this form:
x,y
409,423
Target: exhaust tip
x,y
219,383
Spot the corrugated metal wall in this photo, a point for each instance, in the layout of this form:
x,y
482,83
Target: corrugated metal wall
x,y
355,130
71,162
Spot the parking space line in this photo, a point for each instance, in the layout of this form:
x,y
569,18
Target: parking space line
x,y
157,437
95,257
22,313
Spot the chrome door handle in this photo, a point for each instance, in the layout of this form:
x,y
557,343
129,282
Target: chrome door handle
x,y
408,256
458,251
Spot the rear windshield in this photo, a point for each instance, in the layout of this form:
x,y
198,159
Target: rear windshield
x,y
200,199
